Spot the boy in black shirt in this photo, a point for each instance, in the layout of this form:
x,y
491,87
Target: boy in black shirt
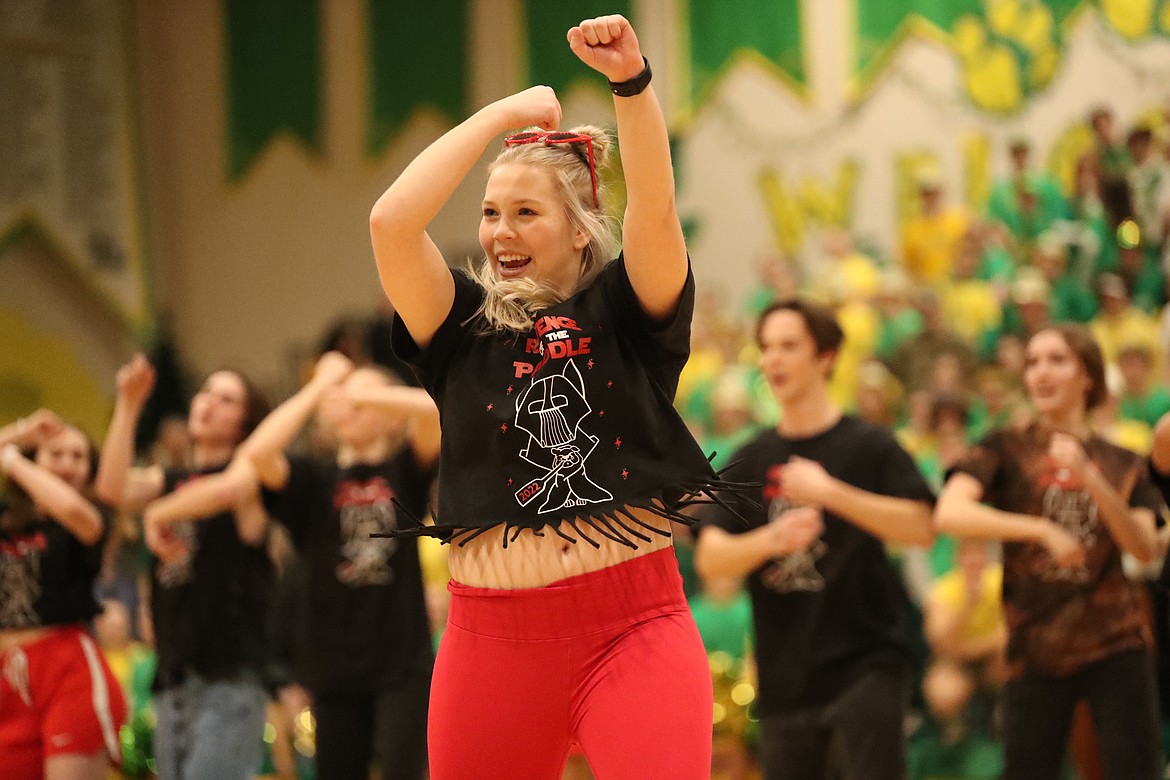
x,y
830,624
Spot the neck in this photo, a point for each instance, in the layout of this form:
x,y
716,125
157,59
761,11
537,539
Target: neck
x,y
808,414
1072,421
206,455
374,451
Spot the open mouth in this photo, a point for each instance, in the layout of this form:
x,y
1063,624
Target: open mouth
x,y
512,265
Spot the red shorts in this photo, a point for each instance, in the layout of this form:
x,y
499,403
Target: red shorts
x,y
57,697
609,660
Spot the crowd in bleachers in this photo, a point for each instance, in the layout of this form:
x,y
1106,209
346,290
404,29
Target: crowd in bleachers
x,y
934,350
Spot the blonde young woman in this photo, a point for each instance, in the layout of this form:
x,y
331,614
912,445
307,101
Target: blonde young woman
x,y
60,706
562,459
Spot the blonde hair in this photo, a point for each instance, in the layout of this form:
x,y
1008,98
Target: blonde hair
x,y
509,304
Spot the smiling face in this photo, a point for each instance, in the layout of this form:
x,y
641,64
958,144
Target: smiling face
x,y
67,455
1056,379
525,231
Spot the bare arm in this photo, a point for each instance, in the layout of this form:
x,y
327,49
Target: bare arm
x,y
118,483
236,488
412,270
265,446
53,495
720,554
959,512
1160,452
1132,528
899,520
652,238
417,405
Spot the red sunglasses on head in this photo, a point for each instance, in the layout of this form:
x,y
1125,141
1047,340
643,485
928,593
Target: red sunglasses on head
x,y
560,137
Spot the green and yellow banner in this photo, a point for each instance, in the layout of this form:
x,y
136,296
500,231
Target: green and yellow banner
x,y
769,30
418,60
273,74
550,61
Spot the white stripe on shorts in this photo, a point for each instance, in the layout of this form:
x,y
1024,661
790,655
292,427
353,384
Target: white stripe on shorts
x,y
101,698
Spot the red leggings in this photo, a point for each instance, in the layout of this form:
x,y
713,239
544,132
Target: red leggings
x,y
610,660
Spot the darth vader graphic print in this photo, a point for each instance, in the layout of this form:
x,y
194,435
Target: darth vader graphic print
x,y
551,411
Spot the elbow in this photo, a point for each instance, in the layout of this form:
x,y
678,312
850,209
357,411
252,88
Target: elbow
x,y
385,217
945,520
85,523
108,493
1146,551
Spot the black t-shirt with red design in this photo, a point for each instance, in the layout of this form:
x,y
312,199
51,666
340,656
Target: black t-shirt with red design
x,y
1062,619
209,606
572,419
46,576
829,614
361,615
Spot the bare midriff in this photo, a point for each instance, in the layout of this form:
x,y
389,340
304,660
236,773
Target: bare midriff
x,y
532,561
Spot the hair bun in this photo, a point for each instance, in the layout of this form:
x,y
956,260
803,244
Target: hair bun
x,y
602,143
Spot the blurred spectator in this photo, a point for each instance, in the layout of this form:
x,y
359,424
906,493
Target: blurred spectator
x,y
967,635
913,362
878,394
1028,201
1142,397
779,279
1119,322
971,305
997,403
1028,311
1149,182
898,319
1111,161
930,240
1069,299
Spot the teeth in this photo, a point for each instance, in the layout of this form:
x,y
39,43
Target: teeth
x,y
512,258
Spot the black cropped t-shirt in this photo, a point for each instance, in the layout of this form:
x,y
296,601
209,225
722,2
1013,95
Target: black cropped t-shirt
x,y
567,426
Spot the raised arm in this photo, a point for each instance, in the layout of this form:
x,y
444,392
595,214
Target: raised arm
x,y
266,445
412,271
118,483
412,402
652,238
53,495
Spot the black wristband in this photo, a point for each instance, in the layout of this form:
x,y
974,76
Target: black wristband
x,y
635,86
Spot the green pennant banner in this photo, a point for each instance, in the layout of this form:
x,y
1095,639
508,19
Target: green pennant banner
x,y
550,61
720,30
274,76
418,59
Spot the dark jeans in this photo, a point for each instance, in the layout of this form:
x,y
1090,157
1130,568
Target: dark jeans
x,y
1120,691
389,726
857,736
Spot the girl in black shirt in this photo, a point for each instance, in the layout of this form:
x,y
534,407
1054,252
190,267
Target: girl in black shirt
x,y
562,457
361,643
209,581
60,706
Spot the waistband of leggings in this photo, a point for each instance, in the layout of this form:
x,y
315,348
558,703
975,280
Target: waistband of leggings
x,y
618,595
